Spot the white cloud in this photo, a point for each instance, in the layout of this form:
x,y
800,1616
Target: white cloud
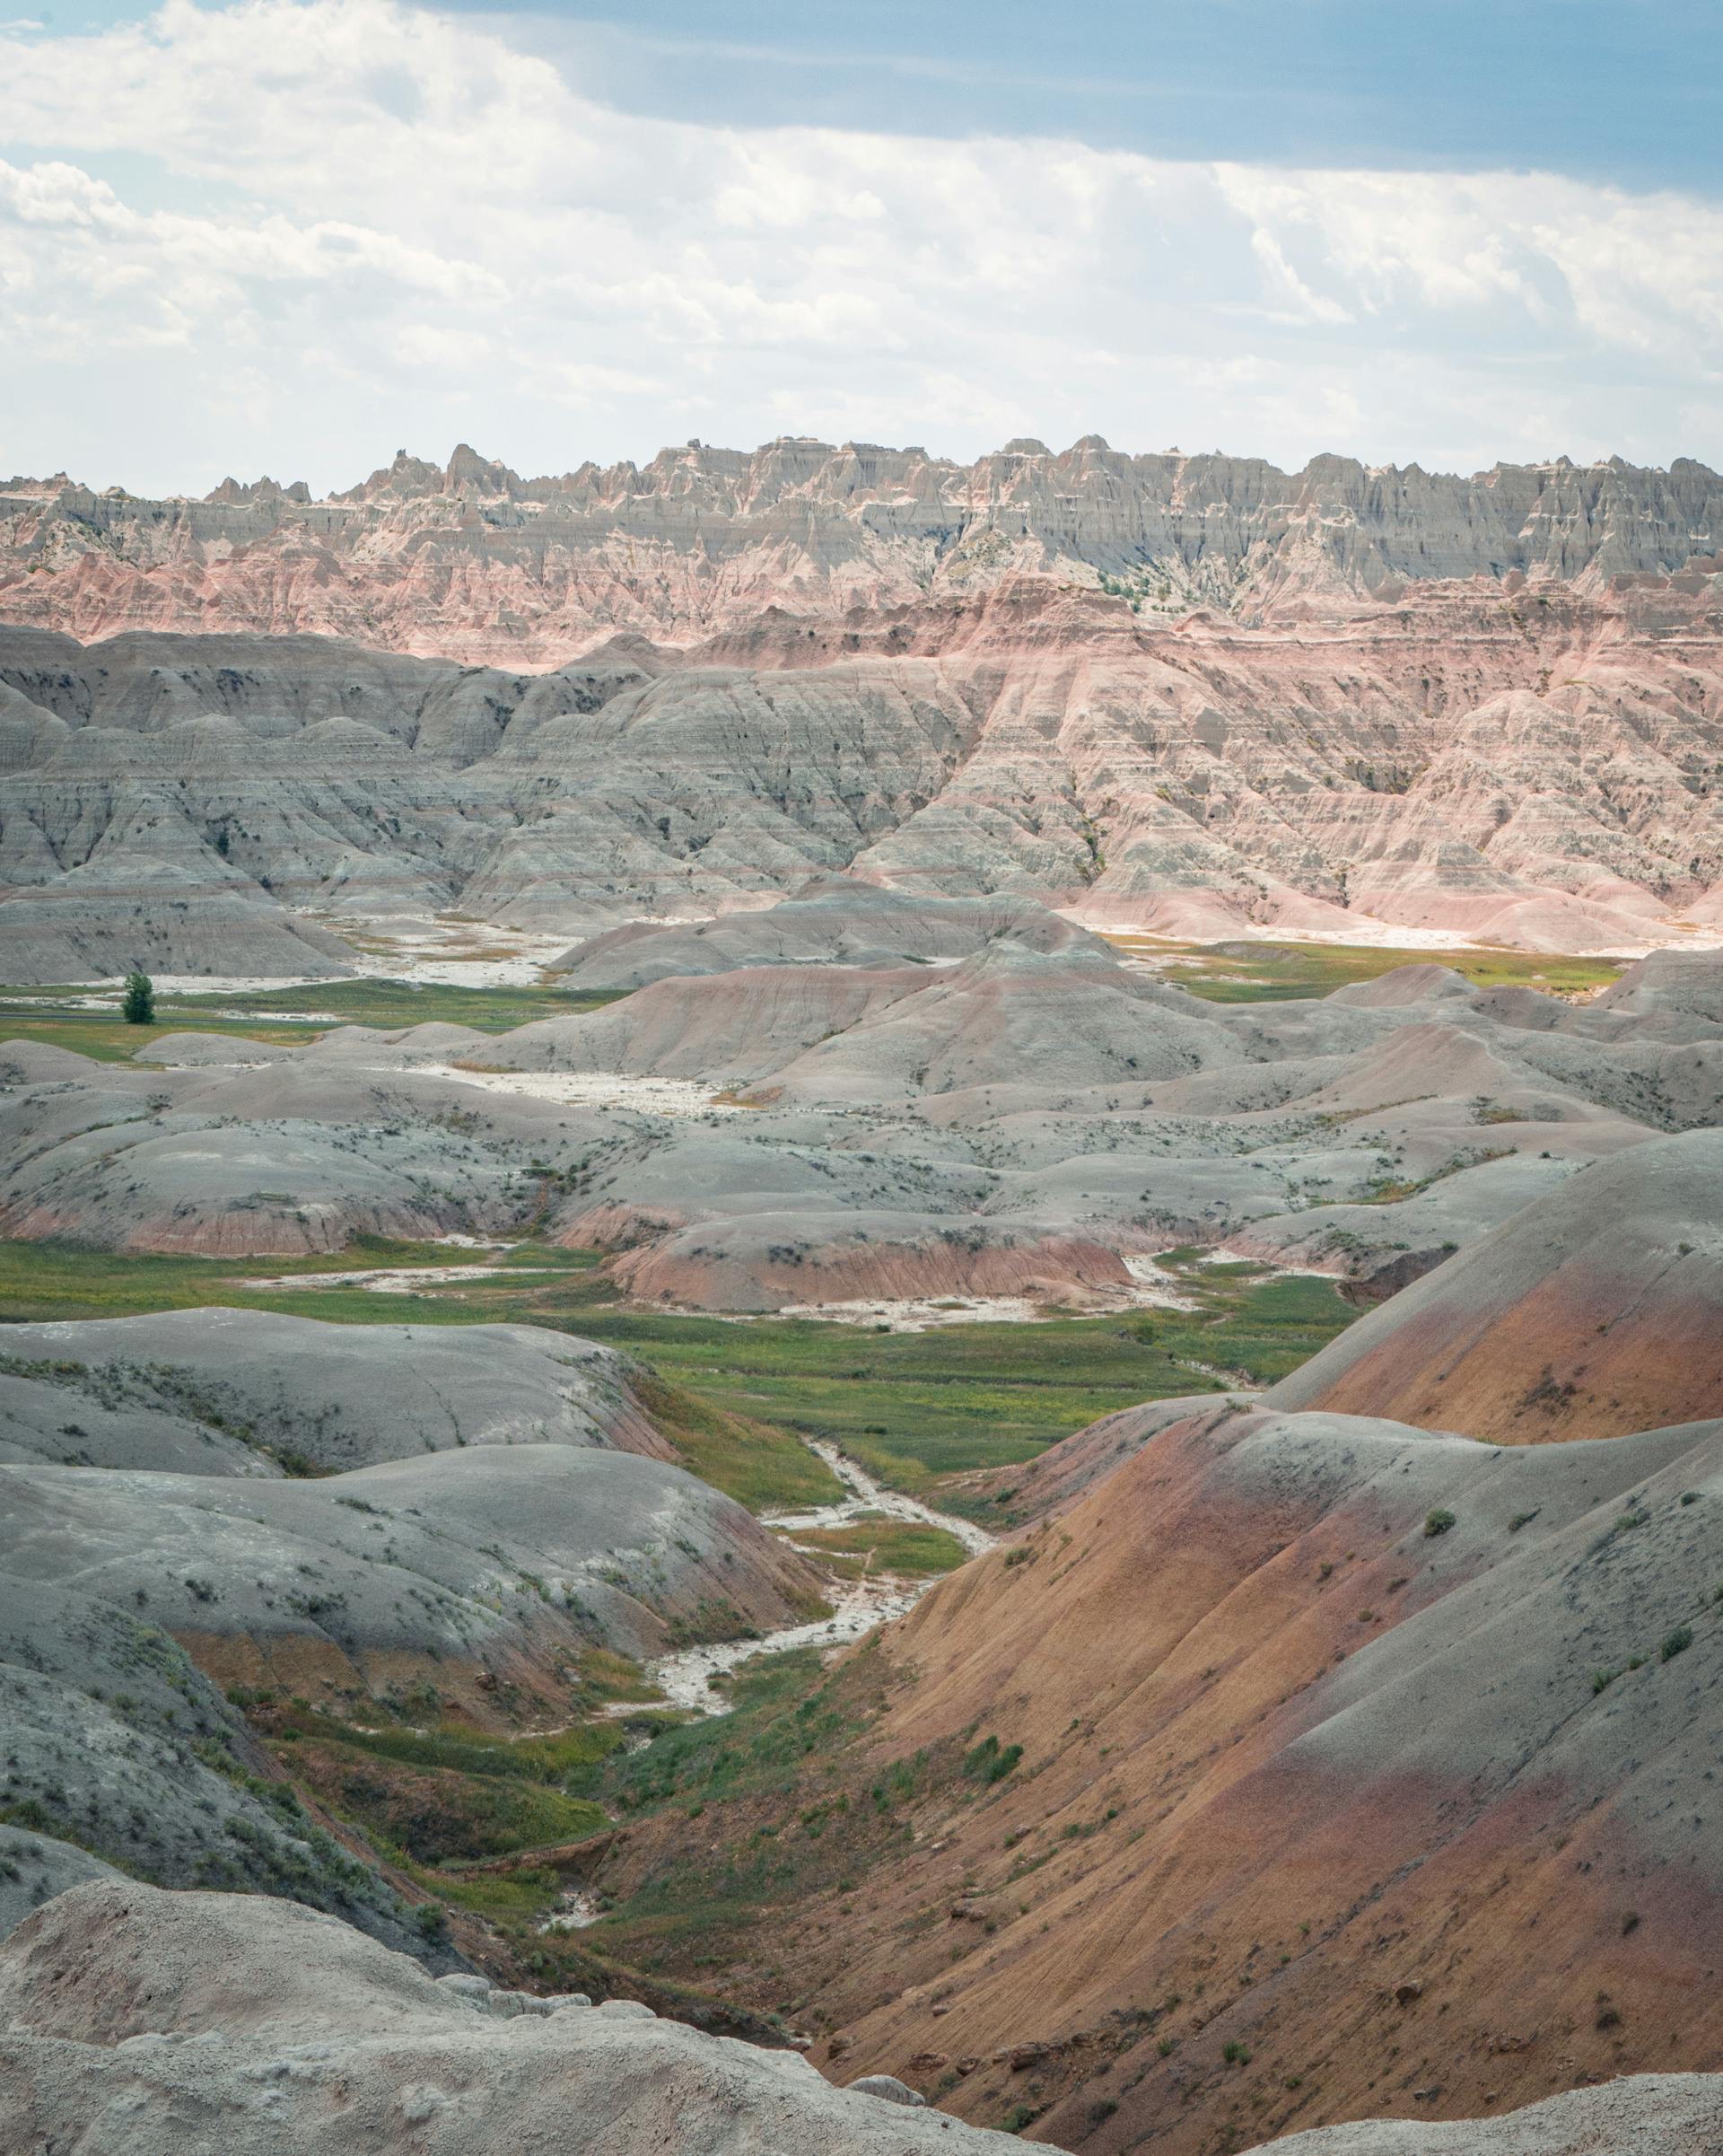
x,y
1283,279
294,232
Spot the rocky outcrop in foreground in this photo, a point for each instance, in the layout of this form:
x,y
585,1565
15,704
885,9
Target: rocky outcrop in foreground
x,y
136,2018
138,2021
1646,2113
1363,1770
114,1741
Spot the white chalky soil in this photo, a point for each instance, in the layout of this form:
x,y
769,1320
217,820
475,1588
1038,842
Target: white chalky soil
x,y
684,1679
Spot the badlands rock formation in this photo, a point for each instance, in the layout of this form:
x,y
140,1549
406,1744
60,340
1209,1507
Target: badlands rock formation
x,y
1022,1122
294,1155
471,560
131,2011
465,1568
350,1515
1368,1730
333,1506
1365,1769
1365,1757
836,920
127,908
1650,2113
239,1392
134,2018
1186,694
113,1738
1590,1312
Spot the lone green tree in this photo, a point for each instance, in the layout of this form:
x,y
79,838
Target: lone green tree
x,y
140,1000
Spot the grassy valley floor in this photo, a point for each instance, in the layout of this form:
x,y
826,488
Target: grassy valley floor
x,y
913,1408
64,1018
1252,972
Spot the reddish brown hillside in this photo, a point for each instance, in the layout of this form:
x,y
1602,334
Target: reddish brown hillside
x,y
1597,1310
1319,1813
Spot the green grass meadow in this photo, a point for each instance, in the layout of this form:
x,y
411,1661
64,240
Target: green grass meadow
x,y
1273,972
284,1017
915,1407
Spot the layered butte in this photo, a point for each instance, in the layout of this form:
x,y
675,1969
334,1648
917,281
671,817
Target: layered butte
x,y
471,560
1185,694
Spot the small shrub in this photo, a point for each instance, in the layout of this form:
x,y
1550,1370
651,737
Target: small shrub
x,y
30,1812
1235,2055
991,1761
1439,1522
1018,2116
1675,1643
1601,1680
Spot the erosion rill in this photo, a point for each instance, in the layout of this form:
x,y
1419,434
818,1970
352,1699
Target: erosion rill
x,y
903,1325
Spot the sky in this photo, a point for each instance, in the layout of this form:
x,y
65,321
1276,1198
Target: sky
x,y
294,236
